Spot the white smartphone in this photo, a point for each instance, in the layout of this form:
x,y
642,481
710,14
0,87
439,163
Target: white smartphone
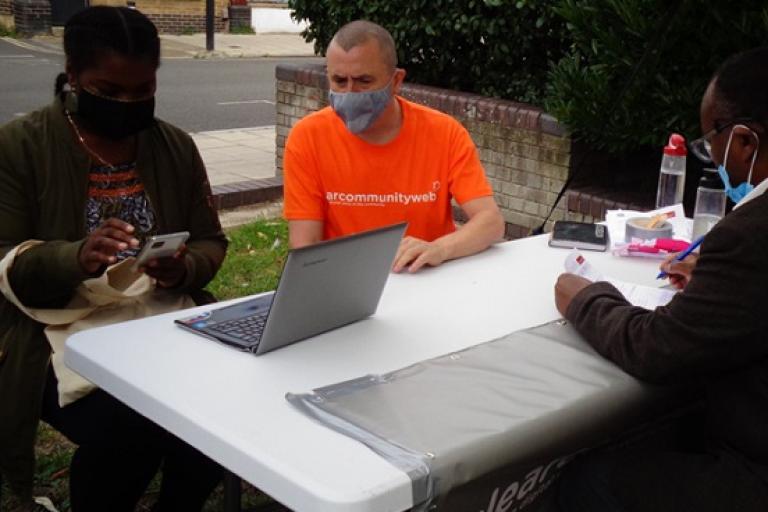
x,y
160,246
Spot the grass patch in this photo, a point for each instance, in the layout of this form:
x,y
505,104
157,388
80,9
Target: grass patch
x,y
253,264
254,259
52,475
7,31
241,29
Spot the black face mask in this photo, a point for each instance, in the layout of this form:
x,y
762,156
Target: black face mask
x,y
113,118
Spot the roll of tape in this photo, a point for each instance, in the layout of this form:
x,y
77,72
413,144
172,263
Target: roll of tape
x,y
636,228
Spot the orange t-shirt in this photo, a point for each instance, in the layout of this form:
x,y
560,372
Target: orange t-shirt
x,y
336,177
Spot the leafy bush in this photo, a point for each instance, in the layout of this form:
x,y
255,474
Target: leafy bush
x,y
622,74
638,68
496,48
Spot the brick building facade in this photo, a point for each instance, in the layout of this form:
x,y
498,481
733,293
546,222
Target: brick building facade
x,y
31,16
170,16
176,16
6,13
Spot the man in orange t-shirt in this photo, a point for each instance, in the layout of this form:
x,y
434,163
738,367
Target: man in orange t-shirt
x,y
373,159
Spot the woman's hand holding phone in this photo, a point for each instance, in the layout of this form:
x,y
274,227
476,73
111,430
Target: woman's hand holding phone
x,y
103,243
162,258
169,271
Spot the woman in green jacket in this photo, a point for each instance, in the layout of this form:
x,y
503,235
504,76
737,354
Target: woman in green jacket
x,y
92,176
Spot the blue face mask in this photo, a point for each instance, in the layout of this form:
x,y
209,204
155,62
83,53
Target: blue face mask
x,y
359,110
736,194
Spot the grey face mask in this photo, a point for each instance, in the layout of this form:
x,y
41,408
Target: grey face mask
x,y
359,110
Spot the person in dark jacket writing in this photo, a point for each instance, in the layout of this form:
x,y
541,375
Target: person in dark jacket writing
x,y
714,333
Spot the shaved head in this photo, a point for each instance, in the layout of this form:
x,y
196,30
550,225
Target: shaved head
x,y
360,32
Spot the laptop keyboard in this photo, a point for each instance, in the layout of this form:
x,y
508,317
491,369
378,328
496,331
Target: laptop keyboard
x,y
248,329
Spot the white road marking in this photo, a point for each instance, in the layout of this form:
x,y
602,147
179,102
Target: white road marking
x,y
34,47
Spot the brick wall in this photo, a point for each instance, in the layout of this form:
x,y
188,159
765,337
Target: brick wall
x,y
176,16
6,14
32,16
525,152
589,204
179,23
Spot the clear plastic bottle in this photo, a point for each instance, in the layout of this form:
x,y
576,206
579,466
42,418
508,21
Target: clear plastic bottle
x,y
672,172
710,203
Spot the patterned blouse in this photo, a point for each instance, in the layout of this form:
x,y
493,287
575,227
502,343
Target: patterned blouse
x,y
118,192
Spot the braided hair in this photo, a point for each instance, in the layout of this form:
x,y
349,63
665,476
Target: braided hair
x,y
96,31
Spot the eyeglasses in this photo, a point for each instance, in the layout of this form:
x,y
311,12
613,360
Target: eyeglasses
x,y
702,148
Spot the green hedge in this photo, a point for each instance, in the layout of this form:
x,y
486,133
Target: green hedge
x,y
496,48
621,73
638,68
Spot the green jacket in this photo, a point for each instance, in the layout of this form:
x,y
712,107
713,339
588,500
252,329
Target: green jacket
x,y
43,191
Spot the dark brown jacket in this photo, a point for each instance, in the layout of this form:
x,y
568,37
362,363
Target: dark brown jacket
x,y
43,191
714,333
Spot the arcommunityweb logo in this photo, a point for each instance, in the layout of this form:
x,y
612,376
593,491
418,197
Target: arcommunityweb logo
x,y
356,199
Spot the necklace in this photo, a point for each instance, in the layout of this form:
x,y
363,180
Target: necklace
x,y
94,154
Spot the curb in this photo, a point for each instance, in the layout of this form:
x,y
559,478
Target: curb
x,y
244,55
247,193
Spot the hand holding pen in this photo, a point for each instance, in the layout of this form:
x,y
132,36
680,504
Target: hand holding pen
x,y
675,268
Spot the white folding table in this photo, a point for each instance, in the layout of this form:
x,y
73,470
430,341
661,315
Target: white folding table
x,y
231,405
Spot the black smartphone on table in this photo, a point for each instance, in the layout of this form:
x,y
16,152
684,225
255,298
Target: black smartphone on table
x,y
579,235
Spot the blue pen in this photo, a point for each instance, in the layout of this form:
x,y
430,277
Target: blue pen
x,y
680,257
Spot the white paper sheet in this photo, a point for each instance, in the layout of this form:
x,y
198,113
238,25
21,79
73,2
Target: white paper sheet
x,y
646,297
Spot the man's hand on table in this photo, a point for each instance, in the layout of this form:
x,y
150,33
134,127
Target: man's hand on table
x,y
414,253
566,288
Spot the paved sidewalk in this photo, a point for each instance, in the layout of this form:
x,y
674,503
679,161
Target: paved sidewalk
x,y
192,46
241,169
236,46
242,154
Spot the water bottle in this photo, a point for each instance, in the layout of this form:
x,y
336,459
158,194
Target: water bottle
x,y
710,203
672,172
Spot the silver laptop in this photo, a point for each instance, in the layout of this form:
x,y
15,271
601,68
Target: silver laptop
x,y
322,287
